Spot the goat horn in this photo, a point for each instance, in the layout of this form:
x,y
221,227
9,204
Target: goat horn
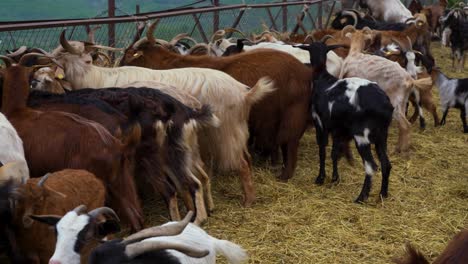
x,y
43,180
34,54
199,48
232,30
103,210
137,249
91,32
325,38
80,209
109,60
66,45
217,35
309,37
150,32
167,230
347,29
19,51
104,47
180,37
353,15
7,60
39,50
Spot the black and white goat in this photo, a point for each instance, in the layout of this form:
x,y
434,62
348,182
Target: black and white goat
x,y
453,94
349,108
455,24
171,243
360,21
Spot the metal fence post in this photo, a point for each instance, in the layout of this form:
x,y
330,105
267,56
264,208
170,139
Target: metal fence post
x,y
319,14
285,17
111,28
215,17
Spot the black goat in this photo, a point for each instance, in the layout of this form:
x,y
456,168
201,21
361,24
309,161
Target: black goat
x,y
349,108
355,18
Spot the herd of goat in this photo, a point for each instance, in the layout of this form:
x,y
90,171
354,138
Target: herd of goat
x,y
78,133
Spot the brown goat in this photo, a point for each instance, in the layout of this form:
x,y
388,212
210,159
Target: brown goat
x,y
55,193
456,252
58,140
279,119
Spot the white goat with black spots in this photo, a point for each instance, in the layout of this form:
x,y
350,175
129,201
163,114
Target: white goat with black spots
x,y
349,108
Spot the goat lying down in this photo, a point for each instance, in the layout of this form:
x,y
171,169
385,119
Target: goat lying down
x,y
173,242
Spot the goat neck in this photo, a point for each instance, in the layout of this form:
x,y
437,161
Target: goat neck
x,y
15,89
358,43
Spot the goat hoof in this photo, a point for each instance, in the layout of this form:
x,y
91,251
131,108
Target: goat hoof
x,y
361,199
384,195
465,130
248,202
335,181
320,181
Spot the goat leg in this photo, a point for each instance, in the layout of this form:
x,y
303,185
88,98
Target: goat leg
x,y
463,118
336,147
381,149
247,183
322,138
444,116
291,160
370,168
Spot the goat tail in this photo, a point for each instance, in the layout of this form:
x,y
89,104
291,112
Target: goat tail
x,y
413,256
423,84
263,87
131,136
234,253
205,117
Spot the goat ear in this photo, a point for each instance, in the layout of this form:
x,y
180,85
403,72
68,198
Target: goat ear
x,y
66,85
106,228
51,220
302,46
240,44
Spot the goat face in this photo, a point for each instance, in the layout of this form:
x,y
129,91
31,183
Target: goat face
x,y
130,55
45,79
341,20
74,230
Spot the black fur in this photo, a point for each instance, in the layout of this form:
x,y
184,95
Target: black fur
x,y
345,121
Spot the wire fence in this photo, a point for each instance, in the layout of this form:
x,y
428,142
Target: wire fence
x,y
200,23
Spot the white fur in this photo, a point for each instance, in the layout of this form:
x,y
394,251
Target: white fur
x,y
368,168
389,10
364,139
330,106
446,36
11,150
316,117
352,85
197,237
67,233
447,89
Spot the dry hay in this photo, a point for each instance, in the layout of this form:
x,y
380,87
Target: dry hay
x,y
300,222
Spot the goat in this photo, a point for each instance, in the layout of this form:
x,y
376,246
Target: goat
x,y
230,100
433,12
391,77
359,21
286,107
173,242
89,145
387,10
453,94
457,22
333,61
55,193
407,59
12,157
456,252
349,108
49,79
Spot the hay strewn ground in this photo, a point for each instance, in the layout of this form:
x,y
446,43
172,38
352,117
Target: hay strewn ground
x,y
299,222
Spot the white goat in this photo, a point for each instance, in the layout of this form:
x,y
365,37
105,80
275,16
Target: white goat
x,y
11,154
229,100
393,11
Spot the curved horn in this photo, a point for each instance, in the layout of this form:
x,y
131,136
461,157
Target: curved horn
x,y
39,50
167,230
180,37
18,52
66,45
34,54
347,29
104,47
80,209
103,210
232,30
137,249
43,180
7,60
352,14
199,49
325,38
91,32
150,32
217,35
